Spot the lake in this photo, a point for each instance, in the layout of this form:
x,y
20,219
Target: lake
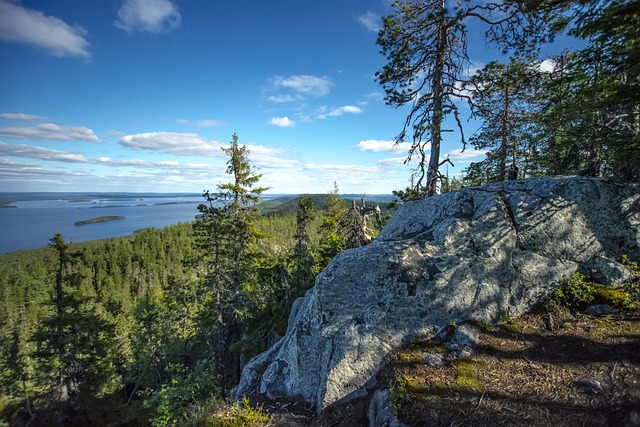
x,y
30,224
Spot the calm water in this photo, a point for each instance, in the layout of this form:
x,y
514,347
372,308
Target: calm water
x,y
32,223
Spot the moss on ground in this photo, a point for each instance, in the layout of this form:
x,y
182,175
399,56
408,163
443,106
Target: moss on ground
x,y
528,375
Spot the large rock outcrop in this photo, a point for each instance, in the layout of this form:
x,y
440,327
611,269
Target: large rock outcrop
x,y
472,254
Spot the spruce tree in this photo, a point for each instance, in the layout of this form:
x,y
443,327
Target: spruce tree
x,y
226,236
75,343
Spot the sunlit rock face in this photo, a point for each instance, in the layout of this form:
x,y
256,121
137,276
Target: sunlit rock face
x,y
472,254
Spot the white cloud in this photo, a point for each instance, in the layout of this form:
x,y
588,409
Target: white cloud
x,y
370,21
152,16
207,123
474,67
342,168
282,99
21,116
378,146
350,109
40,153
283,122
466,154
393,161
266,157
50,132
24,172
180,144
21,25
305,84
547,66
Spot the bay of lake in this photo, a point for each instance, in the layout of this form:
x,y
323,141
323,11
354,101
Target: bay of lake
x,y
31,223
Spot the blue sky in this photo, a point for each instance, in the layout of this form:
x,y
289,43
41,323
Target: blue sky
x,y
139,95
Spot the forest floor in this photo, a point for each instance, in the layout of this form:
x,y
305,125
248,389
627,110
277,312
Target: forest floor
x,y
583,372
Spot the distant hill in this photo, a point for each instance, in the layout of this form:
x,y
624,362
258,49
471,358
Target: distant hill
x,y
289,202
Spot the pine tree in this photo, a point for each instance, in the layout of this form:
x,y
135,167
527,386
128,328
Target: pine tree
x,y
425,43
592,122
505,98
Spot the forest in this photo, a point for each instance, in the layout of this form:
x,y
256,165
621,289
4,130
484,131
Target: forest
x,y
154,328
149,328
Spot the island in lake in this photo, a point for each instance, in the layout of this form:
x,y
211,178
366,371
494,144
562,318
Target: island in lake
x,y
100,219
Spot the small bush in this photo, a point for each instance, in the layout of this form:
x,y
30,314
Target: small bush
x,y
633,265
576,292
219,413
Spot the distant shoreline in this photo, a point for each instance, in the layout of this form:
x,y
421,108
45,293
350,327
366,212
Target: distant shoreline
x,y
99,219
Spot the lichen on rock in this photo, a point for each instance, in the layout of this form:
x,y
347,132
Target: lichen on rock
x,y
474,254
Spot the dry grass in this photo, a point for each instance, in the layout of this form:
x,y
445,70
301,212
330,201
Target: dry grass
x,y
527,375
521,374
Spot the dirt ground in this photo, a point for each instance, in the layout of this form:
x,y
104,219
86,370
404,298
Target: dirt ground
x,y
585,371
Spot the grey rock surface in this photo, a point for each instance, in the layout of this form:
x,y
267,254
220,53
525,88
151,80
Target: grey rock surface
x,y
600,310
606,271
464,336
468,255
433,360
380,413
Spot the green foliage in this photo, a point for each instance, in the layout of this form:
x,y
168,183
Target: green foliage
x,y
74,342
186,388
226,236
398,392
331,242
633,265
504,97
409,194
487,327
576,292
218,413
507,322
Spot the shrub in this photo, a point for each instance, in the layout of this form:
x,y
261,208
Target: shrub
x,y
220,413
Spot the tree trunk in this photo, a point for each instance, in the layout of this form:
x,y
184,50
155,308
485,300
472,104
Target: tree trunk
x,y
502,172
438,95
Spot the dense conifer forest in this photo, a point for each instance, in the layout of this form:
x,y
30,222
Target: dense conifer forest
x,y
153,328
120,330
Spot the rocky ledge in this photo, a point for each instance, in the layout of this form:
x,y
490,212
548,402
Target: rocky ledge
x,y
474,254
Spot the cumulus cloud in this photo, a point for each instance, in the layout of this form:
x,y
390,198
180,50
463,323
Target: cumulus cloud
x,y
266,157
207,123
21,25
50,132
21,116
283,122
547,66
379,146
305,84
180,144
466,154
370,21
40,153
347,109
152,16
